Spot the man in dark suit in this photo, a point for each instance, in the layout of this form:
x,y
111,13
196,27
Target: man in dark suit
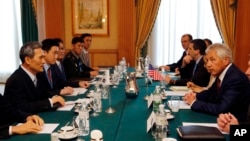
x,y
10,115
58,70
50,80
23,88
185,41
199,74
229,92
74,67
224,120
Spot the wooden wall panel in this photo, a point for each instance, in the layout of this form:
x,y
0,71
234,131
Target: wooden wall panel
x,y
103,57
54,18
242,34
126,29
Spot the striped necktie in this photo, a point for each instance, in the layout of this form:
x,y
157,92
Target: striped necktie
x,y
49,75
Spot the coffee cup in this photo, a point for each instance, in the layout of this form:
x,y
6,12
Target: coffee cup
x,y
96,135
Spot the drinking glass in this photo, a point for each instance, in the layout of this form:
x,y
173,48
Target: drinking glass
x,y
105,92
96,103
175,103
75,121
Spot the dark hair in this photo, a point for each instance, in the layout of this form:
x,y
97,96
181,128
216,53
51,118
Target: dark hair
x,y
84,35
200,45
208,40
27,50
47,44
190,37
58,40
76,40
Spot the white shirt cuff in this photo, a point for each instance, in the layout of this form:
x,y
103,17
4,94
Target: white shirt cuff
x,y
192,103
10,130
51,103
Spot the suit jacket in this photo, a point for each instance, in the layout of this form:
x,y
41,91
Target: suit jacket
x,y
199,76
85,59
233,96
23,94
75,68
178,63
56,88
9,115
61,77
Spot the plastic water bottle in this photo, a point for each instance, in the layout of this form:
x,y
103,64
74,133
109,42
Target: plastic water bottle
x,y
163,75
83,120
161,122
156,99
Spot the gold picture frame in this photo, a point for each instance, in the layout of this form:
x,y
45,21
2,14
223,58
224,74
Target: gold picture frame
x,y
90,16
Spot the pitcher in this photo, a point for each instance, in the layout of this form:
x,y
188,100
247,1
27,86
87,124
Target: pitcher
x,y
131,88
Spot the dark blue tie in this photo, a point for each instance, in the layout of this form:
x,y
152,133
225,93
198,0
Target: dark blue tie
x,y
79,64
195,66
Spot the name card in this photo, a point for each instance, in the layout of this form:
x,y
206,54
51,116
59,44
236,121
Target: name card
x,y
150,121
150,100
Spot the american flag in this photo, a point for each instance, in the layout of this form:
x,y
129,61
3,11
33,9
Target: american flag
x,y
155,74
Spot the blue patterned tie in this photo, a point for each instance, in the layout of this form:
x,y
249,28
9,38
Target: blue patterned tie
x,y
195,66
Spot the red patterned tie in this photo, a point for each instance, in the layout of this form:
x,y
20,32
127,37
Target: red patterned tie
x,y
49,76
218,83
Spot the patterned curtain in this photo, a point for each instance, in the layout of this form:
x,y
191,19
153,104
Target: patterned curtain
x,y
29,23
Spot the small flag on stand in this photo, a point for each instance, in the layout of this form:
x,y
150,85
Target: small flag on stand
x,y
155,74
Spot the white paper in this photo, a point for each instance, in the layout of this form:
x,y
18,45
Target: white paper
x,y
179,88
78,91
48,128
103,69
183,105
150,121
66,107
175,93
203,124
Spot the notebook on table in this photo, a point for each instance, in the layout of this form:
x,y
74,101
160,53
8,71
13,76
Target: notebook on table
x,y
197,132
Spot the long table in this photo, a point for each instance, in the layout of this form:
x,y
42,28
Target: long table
x,y
127,123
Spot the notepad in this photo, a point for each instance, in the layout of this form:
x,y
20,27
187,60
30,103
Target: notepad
x,y
179,88
194,132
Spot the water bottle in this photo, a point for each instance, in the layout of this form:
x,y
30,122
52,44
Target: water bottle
x,y
83,120
161,122
156,98
163,75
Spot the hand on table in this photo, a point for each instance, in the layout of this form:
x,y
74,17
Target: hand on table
x,y
28,127
225,120
36,119
84,84
194,88
67,90
189,98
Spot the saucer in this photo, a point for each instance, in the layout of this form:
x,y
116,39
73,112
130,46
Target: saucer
x,y
163,97
169,139
90,95
170,116
62,136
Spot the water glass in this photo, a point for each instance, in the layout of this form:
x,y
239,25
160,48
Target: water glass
x,y
105,92
175,103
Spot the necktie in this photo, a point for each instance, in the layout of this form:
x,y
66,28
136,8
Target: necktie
x,y
217,81
62,71
35,81
87,59
49,77
79,64
195,66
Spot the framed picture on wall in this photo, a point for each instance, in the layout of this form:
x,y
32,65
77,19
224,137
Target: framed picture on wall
x,y
90,16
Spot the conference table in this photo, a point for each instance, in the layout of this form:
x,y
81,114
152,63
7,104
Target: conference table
x,y
127,123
